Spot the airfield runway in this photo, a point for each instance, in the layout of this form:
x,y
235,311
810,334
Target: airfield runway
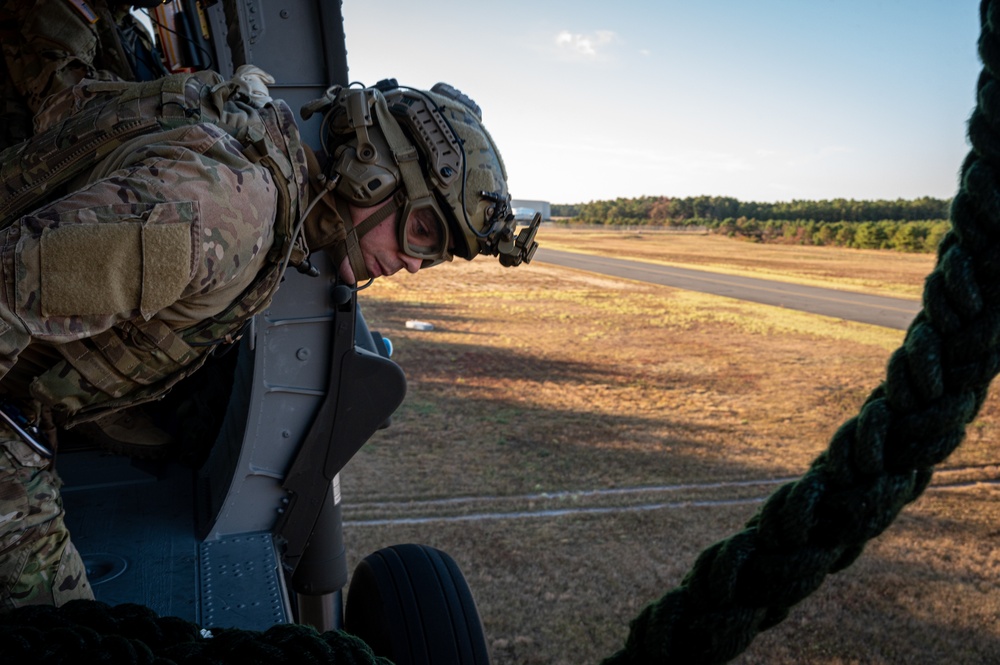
x,y
896,313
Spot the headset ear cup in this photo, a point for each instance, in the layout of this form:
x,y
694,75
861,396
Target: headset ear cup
x,y
360,183
360,158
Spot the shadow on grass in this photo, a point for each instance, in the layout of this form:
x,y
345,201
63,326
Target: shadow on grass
x,y
562,589
924,593
394,315
510,420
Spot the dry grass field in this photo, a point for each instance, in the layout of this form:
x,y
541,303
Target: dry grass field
x,y
593,435
871,271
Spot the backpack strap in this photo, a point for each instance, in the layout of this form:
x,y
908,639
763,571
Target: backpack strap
x,y
140,360
110,363
34,171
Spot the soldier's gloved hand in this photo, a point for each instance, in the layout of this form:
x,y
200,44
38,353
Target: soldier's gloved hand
x,y
252,81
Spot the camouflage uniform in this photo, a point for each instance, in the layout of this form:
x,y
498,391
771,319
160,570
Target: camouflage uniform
x,y
165,233
38,563
51,45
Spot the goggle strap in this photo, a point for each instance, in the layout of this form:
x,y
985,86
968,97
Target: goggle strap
x,y
403,151
379,215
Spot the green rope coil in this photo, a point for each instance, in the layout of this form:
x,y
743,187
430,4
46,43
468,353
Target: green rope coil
x,y
128,634
878,461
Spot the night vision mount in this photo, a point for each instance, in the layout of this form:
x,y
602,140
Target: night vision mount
x,y
500,239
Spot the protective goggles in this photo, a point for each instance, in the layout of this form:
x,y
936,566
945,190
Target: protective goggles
x,y
423,232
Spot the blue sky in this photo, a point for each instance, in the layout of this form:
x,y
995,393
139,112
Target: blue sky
x,y
764,100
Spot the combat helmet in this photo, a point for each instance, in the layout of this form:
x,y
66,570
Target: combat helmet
x,y
421,152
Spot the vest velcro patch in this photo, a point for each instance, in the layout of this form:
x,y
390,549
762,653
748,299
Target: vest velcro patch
x,y
117,268
91,269
167,261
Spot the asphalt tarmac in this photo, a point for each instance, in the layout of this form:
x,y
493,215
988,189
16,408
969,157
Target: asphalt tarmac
x,y
895,313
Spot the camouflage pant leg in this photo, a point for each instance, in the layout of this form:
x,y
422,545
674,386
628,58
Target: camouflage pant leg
x,y
38,563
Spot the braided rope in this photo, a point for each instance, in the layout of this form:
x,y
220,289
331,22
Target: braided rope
x,y
128,634
878,461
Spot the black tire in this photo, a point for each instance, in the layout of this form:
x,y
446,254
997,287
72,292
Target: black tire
x,y
411,604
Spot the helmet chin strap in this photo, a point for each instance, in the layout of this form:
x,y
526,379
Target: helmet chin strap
x,y
351,246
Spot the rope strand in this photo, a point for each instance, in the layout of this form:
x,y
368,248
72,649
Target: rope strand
x,y
131,634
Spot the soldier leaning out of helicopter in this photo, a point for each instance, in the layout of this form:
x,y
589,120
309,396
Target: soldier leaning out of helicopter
x,y
170,226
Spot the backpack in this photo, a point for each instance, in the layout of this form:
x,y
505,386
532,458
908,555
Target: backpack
x,y
85,125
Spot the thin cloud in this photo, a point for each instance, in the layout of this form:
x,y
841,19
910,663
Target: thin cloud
x,y
584,46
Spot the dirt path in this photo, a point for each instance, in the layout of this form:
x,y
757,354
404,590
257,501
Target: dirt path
x,y
609,501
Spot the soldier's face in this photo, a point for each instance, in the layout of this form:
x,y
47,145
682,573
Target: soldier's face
x,y
380,248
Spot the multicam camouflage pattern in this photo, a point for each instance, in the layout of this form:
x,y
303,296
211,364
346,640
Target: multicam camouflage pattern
x,y
83,125
156,254
153,245
182,225
49,46
38,563
186,219
159,244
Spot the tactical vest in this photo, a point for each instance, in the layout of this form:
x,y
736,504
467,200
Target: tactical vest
x,y
117,116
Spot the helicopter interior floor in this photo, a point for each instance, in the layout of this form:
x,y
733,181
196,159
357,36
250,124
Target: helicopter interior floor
x,y
134,524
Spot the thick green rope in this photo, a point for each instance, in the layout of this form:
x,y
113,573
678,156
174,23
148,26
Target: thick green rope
x,y
93,632
878,461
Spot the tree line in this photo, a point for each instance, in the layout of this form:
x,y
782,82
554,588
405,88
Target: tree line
x,y
912,225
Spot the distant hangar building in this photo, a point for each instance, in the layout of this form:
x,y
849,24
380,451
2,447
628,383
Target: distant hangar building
x,y
524,209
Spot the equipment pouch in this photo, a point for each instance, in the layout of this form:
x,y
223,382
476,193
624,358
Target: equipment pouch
x,y
79,276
